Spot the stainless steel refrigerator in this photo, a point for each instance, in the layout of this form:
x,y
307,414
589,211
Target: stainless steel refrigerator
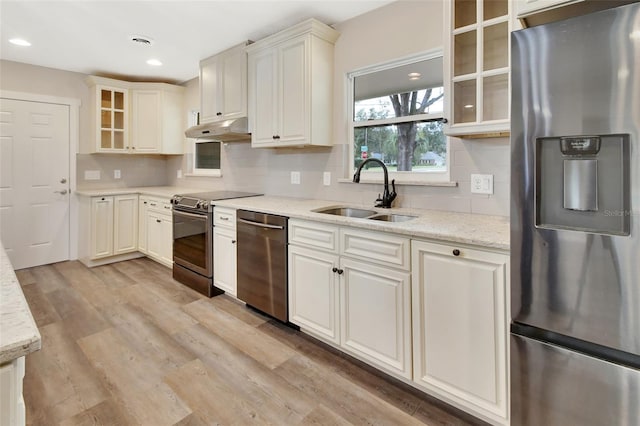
x,y
575,221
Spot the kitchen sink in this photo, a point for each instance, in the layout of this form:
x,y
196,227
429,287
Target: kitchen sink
x,y
347,211
392,217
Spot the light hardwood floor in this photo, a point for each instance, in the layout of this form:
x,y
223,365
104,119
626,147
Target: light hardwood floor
x,y
125,344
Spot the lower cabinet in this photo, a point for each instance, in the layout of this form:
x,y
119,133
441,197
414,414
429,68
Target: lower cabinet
x,y
114,225
224,250
460,321
159,231
343,298
11,398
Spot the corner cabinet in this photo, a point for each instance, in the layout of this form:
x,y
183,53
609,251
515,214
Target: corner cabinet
x,y
223,85
460,324
477,64
130,118
290,84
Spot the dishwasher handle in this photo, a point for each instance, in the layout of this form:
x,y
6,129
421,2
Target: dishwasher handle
x,y
261,225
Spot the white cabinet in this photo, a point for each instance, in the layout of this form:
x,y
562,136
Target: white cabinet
x,y
223,85
11,397
109,116
126,117
114,225
156,119
290,87
476,71
314,302
159,231
460,327
125,223
143,205
339,295
524,8
224,250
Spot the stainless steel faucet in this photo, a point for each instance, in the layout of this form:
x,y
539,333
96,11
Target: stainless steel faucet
x,y
387,197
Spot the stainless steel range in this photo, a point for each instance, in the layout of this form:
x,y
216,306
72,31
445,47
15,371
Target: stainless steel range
x,y
193,238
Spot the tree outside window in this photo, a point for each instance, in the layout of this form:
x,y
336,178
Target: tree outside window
x,y
398,118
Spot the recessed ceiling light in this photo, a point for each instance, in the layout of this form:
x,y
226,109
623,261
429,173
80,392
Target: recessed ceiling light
x,y
414,75
154,62
140,39
19,42
468,106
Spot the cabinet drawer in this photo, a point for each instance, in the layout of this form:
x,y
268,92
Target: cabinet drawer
x,y
378,247
224,216
313,234
159,205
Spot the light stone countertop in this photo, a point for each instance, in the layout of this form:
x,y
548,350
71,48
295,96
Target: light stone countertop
x,y
19,334
472,229
154,191
448,227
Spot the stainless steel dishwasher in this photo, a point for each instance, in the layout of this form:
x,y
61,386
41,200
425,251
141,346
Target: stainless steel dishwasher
x,y
262,262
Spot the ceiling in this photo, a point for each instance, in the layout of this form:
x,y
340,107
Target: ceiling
x,y
94,37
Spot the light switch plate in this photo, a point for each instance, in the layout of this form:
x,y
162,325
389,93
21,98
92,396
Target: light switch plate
x,y
295,178
117,174
179,174
326,178
481,184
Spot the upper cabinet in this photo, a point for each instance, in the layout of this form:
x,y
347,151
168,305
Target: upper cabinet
x,y
156,119
143,118
291,86
223,85
527,7
110,117
476,66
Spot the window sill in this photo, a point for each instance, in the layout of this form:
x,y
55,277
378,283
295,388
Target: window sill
x,y
403,182
215,175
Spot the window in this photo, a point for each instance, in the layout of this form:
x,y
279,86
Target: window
x,y
206,158
396,117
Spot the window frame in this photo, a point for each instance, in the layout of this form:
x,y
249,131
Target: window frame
x,y
201,171
412,178
193,120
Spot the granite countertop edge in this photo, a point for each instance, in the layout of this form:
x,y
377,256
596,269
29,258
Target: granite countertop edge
x,y
19,335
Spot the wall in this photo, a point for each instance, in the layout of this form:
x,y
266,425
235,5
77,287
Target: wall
x,y
378,36
375,37
135,170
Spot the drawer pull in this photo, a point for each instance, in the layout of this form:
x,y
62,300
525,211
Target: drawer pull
x,y
456,252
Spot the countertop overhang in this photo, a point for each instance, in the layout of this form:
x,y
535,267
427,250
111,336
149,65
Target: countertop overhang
x,y
19,335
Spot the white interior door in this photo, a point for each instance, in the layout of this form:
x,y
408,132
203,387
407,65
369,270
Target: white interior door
x,y
34,182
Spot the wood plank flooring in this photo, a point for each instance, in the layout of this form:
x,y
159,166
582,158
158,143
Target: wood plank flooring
x,y
125,344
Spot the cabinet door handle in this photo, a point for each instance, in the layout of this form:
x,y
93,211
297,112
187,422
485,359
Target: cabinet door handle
x,y
340,271
233,241
335,269
456,252
158,220
218,113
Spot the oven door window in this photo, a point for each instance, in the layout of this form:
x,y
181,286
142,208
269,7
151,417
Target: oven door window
x,y
192,242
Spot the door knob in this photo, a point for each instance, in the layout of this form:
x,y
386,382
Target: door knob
x,y
64,191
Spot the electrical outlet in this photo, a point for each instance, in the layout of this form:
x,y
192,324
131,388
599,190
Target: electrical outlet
x,y
92,175
179,174
117,174
482,184
326,178
295,178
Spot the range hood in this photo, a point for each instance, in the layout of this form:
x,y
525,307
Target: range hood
x,y
225,131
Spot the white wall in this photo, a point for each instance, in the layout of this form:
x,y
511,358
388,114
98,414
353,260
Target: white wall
x,y
375,37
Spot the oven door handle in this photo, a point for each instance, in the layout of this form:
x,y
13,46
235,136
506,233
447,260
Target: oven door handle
x,y
261,225
194,215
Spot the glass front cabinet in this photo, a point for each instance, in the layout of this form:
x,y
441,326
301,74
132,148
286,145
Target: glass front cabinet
x,y
112,131
477,67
